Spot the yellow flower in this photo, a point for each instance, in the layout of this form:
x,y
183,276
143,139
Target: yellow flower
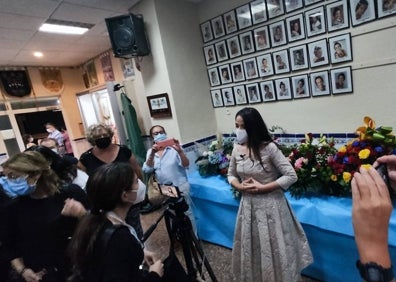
x,y
342,149
366,166
364,154
333,177
346,176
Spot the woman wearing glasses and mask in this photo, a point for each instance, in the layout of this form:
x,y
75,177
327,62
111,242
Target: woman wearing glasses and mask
x,y
103,152
40,220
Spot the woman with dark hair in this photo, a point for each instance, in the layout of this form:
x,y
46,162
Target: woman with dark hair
x,y
269,242
111,191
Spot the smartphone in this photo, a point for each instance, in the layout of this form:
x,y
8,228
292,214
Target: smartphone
x,y
169,190
383,172
166,143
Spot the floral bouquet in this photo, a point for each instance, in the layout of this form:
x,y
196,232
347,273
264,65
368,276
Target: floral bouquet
x,y
215,159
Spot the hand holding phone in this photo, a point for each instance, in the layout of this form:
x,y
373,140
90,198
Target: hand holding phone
x,y
383,172
166,143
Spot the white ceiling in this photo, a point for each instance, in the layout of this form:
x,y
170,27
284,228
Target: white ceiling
x,y
19,35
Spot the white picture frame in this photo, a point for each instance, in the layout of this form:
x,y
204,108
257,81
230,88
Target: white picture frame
x,y
210,55
221,51
293,5
315,21
237,71
225,74
281,61
319,82
217,100
337,16
228,96
206,31
299,59
261,38
265,65
217,27
214,78
340,48
278,33
244,18
300,86
341,80
361,11
253,93
258,9
234,48
267,91
230,22
275,8
250,67
240,95
295,28
386,8
247,43
282,89
318,53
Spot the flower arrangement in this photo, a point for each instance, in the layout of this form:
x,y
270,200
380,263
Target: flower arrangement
x,y
215,159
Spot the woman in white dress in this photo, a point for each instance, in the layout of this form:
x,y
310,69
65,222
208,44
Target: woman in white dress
x,y
269,242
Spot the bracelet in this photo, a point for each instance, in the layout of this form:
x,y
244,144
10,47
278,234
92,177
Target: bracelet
x,y
23,271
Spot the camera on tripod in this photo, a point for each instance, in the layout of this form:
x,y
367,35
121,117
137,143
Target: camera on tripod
x,y
176,200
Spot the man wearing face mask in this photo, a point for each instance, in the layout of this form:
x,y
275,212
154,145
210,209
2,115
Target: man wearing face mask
x,y
103,151
169,164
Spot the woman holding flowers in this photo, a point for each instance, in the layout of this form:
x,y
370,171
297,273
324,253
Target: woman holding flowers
x,y
269,242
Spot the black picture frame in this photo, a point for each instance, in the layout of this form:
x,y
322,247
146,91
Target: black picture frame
x,y
247,43
261,38
320,84
299,59
250,67
340,47
225,74
283,89
214,78
230,22
238,73
275,8
234,48
281,61
318,53
228,96
217,27
341,80
265,65
386,8
240,95
337,16
253,93
267,91
357,16
295,28
258,9
278,33
244,18
217,100
206,31
221,51
210,55
315,21
293,5
300,86
159,105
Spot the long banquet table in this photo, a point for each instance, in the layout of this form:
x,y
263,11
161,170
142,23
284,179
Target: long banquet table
x,y
326,221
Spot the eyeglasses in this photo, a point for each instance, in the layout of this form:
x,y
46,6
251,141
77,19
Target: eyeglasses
x,y
158,132
10,176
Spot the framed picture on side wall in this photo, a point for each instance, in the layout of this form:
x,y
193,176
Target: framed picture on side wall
x,y
218,27
283,91
261,38
225,74
361,11
315,21
240,95
292,5
259,11
230,22
311,2
298,57
278,34
221,51
210,56
341,80
234,49
318,54
237,72
228,96
265,65
320,85
253,93
206,31
281,61
340,48
214,78
337,16
217,100
300,86
275,8
247,43
295,28
386,8
244,18
267,91
250,67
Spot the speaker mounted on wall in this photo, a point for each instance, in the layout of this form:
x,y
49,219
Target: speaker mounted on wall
x,y
128,36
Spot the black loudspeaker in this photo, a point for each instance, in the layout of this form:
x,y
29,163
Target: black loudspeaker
x,y
128,36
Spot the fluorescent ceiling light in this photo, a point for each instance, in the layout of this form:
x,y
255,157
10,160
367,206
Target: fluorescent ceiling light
x,y
38,54
65,27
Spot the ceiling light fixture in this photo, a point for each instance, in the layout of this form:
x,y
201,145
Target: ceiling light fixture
x,y
65,27
38,54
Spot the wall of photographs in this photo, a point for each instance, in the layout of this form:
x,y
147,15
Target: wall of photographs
x,y
268,50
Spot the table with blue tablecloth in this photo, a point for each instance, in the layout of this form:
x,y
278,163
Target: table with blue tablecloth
x,y
326,220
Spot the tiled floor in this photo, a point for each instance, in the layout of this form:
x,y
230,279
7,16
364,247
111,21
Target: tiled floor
x,y
219,257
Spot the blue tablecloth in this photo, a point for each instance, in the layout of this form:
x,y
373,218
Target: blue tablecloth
x,y
326,221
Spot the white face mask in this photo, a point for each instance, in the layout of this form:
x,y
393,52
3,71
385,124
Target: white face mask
x,y
241,136
141,193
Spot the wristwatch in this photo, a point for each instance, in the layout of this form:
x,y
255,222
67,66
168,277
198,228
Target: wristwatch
x,y
372,272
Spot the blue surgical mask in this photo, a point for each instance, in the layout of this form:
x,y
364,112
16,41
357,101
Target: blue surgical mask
x,y
160,137
16,187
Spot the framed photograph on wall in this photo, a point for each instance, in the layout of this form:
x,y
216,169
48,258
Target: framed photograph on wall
x,y
265,65
283,91
267,91
228,96
320,85
250,67
218,27
281,61
230,22
217,100
253,93
278,33
337,16
298,57
340,48
386,8
318,54
315,21
300,86
237,72
361,11
214,78
341,80
311,2
240,95
259,11
234,49
275,8
221,51
295,28
159,105
293,5
247,43
210,57
244,18
206,31
261,38
225,74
